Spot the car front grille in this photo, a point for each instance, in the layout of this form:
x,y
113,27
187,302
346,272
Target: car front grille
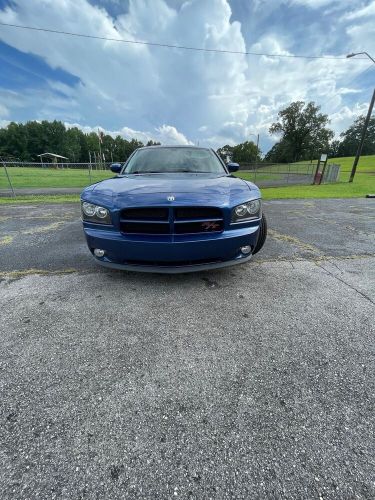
x,y
171,220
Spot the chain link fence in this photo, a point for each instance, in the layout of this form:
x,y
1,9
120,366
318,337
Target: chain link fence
x,y
284,174
49,178
29,178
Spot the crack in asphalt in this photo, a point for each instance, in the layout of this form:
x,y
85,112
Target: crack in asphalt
x,y
345,283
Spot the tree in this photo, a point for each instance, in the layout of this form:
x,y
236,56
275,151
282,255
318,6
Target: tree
x,y
350,138
153,143
72,144
107,147
131,146
246,152
27,141
225,151
34,134
334,148
303,130
16,141
53,136
278,153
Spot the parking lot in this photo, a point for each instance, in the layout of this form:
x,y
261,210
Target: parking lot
x,y
255,381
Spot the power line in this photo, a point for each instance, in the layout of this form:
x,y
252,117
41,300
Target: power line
x,y
172,46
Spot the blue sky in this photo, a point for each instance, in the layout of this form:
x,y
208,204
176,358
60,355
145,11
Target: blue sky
x,y
178,96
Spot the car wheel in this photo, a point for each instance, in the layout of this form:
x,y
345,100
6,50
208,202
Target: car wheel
x,y
262,235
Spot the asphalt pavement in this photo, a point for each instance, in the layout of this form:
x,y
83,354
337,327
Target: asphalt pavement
x,y
255,381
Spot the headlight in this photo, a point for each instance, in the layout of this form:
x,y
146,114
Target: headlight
x,y
102,212
95,213
241,210
88,209
247,211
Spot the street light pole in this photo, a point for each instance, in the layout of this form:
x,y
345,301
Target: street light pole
x,y
367,121
363,136
257,136
359,54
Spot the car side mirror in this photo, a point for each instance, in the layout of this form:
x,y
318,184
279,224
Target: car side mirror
x,y
233,167
116,168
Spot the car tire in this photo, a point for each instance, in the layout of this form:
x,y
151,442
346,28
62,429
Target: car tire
x,y
262,235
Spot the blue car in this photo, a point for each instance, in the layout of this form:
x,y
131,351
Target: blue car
x,y
173,209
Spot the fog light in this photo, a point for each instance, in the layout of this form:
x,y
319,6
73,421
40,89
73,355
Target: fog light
x,y
246,249
98,252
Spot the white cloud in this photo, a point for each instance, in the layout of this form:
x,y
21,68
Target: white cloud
x,y
135,85
4,111
165,134
4,123
366,11
343,118
169,95
314,4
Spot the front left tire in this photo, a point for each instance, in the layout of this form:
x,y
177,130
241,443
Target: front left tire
x,y
262,235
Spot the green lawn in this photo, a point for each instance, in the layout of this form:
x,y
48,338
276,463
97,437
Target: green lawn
x,y
366,164
364,181
363,184
24,177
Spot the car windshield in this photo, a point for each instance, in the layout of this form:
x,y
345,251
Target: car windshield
x,y
174,160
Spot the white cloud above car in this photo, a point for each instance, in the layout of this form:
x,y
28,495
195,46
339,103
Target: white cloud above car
x,y
172,95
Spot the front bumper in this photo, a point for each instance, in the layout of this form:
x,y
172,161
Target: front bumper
x,y
161,269
171,254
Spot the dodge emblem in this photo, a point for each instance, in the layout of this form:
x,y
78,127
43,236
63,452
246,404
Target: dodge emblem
x,y
171,198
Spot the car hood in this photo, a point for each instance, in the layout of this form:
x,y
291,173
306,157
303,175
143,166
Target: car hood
x,y
154,189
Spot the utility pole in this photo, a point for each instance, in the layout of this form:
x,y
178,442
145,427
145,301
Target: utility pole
x,y
363,136
257,136
367,121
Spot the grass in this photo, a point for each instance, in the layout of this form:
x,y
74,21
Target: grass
x,y
24,177
363,184
29,177
366,164
63,198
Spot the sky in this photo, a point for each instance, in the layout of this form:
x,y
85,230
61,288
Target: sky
x,y
177,96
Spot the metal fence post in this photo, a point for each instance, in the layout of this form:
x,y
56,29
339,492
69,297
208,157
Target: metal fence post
x,y
316,173
323,172
90,167
9,181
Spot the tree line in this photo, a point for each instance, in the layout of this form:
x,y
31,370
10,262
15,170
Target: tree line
x,y
304,134
24,142
301,129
